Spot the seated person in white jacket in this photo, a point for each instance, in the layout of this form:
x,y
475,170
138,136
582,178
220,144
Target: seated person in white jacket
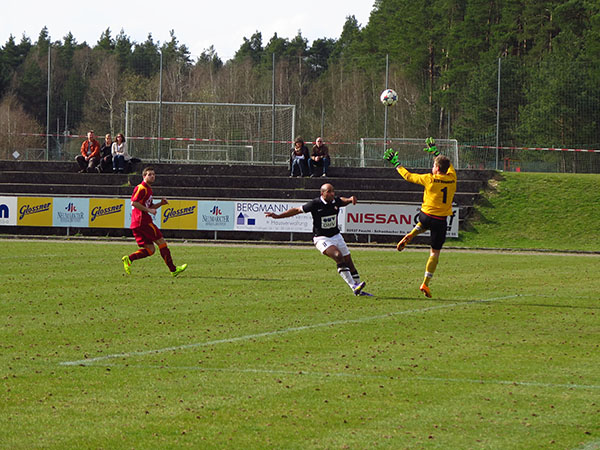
x,y
120,157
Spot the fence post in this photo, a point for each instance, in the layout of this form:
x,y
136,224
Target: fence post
x,y
159,104
385,117
498,114
273,113
48,105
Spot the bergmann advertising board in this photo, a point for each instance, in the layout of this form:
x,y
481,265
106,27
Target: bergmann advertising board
x,y
250,216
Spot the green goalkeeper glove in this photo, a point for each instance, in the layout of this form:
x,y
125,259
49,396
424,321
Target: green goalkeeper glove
x,y
431,148
392,157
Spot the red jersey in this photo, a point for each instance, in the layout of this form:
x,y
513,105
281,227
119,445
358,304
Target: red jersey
x,y
142,194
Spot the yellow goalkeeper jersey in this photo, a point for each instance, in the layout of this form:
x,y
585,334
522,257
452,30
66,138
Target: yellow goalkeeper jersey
x,y
439,190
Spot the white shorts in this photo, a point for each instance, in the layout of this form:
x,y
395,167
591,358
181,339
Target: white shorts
x,y
323,243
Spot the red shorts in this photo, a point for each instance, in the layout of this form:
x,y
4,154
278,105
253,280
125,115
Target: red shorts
x,y
146,234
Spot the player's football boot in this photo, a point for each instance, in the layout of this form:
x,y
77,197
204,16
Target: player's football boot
x,y
425,290
126,264
357,288
178,270
404,242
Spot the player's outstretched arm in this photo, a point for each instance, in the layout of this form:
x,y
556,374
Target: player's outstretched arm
x,y
289,213
431,147
163,201
348,200
392,156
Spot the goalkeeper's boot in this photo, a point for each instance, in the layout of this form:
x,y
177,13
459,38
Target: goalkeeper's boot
x,y
126,264
404,242
357,288
425,290
178,270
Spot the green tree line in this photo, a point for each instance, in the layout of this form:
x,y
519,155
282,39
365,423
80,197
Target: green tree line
x,y
444,61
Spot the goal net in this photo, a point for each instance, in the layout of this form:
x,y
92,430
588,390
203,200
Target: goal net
x,y
212,153
409,150
210,132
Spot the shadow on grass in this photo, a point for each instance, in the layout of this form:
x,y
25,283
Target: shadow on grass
x,y
201,277
461,302
545,305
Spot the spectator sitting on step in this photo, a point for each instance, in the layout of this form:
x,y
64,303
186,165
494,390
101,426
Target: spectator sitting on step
x,y
106,154
299,159
120,157
319,158
90,154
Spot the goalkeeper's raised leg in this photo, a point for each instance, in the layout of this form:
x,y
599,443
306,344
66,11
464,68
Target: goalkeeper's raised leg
x,y
439,190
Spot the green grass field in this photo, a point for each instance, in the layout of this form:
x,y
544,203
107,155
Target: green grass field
x,y
257,347
537,211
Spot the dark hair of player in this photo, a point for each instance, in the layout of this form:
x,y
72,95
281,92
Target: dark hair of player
x,y
442,162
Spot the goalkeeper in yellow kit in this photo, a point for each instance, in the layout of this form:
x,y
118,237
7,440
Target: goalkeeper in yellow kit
x,y
440,186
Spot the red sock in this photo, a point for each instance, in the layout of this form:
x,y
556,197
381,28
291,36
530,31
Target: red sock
x,y
141,253
166,255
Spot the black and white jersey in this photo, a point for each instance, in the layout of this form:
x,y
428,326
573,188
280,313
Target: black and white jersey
x,y
325,216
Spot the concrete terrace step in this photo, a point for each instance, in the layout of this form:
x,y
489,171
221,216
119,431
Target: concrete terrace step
x,y
222,182
231,169
80,179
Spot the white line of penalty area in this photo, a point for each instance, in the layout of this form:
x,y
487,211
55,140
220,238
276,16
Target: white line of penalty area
x,y
90,361
332,375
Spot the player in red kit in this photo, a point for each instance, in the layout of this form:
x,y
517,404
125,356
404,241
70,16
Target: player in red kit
x,y
145,232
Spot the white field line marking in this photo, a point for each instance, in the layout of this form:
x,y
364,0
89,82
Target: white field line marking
x,y
90,361
395,377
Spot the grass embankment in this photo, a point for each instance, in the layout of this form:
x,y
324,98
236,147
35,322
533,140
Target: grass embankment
x,y
537,211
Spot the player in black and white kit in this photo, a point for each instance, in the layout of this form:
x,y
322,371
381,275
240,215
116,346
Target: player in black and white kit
x,y
327,236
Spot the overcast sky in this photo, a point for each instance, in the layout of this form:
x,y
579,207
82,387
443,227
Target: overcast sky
x,y
197,24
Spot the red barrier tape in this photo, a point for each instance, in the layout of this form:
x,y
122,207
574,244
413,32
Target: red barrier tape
x,y
493,147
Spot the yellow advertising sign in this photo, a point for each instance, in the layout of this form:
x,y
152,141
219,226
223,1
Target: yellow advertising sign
x,y
34,211
107,213
179,215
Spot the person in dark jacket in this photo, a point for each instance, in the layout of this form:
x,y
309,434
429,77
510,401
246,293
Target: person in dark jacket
x,y
299,159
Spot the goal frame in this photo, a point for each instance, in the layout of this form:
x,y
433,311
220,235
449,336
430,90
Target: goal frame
x,y
272,139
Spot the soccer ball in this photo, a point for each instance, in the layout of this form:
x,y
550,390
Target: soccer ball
x,y
389,97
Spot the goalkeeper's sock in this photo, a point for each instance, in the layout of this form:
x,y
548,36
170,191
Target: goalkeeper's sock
x,y
166,256
430,267
141,253
344,272
418,229
355,277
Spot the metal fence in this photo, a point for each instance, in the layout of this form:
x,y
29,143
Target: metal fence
x,y
511,111
366,153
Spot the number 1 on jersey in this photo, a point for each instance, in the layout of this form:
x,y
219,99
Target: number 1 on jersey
x,y
445,192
